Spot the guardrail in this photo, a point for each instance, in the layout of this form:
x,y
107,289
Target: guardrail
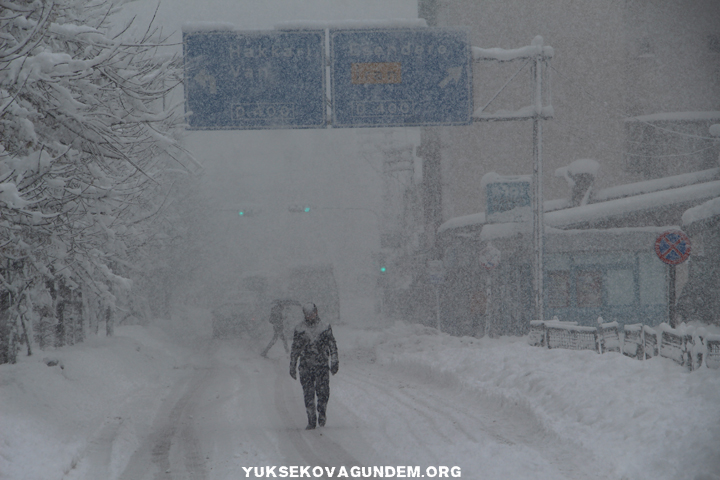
x,y
689,347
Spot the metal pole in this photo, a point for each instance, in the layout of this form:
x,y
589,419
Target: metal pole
x,y
671,297
538,222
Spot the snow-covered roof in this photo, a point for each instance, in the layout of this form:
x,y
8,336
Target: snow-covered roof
x,y
656,185
676,116
463,221
580,240
578,167
612,208
493,231
558,216
506,55
709,209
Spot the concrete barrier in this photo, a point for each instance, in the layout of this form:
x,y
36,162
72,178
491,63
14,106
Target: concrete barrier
x,y
608,337
689,347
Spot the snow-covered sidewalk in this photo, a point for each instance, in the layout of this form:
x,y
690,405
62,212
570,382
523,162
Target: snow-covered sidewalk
x,y
50,415
648,419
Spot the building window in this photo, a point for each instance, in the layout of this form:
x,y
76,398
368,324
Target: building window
x,y
558,289
588,285
620,287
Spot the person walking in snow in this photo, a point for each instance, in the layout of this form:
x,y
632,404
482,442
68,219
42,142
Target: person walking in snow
x,y
314,345
276,319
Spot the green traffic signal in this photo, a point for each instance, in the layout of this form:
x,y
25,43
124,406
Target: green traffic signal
x,y
249,212
299,208
382,269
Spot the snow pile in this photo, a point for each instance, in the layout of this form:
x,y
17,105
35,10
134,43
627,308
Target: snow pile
x,y
508,55
676,117
706,210
656,185
48,414
645,420
578,167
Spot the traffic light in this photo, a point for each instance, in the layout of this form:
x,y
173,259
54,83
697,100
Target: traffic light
x,y
299,208
248,210
381,262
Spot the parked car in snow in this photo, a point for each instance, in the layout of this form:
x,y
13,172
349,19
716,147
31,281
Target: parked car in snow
x,y
238,318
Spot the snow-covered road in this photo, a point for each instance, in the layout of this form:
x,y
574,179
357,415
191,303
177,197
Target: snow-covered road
x,y
232,409
165,401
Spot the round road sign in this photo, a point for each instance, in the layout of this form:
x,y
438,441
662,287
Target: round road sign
x,y
672,247
489,256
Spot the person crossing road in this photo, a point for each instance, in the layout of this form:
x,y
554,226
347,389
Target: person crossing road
x,y
276,319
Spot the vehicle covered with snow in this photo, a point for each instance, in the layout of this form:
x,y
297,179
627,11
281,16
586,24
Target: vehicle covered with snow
x,y
239,317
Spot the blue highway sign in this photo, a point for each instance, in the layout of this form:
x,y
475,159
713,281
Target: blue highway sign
x,y
255,80
400,77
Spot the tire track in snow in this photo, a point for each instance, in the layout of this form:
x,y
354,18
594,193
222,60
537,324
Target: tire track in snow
x,y
99,452
429,409
411,404
316,448
574,461
173,425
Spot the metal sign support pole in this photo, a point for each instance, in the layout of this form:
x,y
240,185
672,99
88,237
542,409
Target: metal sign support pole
x,y
538,221
671,298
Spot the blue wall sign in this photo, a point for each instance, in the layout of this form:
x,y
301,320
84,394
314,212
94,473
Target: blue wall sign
x,y
255,80
400,77
505,196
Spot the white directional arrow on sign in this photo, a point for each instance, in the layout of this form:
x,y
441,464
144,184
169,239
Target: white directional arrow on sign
x,y
453,76
206,81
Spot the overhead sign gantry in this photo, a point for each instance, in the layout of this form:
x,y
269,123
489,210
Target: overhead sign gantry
x,y
380,77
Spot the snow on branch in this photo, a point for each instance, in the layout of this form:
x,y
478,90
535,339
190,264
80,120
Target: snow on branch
x,y
87,143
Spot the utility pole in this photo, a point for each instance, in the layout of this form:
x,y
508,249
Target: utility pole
x,y
430,153
538,217
431,185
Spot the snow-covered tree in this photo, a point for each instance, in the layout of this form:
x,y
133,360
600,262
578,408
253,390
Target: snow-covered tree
x,y
88,148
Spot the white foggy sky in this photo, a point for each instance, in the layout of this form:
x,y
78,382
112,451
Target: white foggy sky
x,y
275,168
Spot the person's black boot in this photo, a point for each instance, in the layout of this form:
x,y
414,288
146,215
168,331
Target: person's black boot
x,y
311,419
321,416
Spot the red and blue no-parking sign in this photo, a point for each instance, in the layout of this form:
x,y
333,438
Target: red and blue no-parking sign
x,y
672,247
